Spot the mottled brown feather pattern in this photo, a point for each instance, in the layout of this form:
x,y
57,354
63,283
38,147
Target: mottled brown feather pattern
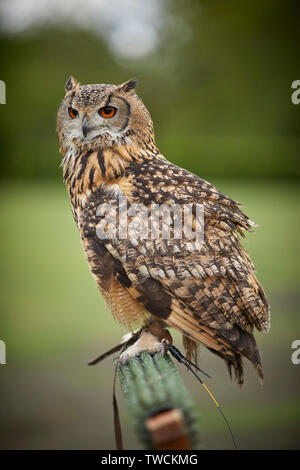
x,y
210,294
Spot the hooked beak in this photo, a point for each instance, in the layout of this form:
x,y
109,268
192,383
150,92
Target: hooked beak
x,y
85,126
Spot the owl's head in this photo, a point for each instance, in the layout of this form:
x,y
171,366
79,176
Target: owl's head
x,y
102,115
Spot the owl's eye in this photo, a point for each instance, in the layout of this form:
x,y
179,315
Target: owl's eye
x,y
73,113
107,111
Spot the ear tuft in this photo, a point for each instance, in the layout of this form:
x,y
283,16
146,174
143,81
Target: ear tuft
x,y
71,83
129,85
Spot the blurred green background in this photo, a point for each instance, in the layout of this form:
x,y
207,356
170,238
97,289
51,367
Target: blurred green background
x,y
216,77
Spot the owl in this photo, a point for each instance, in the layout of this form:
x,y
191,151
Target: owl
x,y
204,286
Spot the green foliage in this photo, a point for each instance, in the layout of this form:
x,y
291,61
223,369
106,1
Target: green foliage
x,y
218,88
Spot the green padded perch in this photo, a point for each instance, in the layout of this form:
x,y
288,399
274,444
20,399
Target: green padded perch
x,y
151,384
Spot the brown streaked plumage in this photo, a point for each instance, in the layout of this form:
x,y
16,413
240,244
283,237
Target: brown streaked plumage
x,y
210,293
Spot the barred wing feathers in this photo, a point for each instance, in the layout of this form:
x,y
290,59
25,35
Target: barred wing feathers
x,y
210,294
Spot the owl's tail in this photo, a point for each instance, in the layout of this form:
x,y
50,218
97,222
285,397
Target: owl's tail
x,y
240,344
243,345
232,344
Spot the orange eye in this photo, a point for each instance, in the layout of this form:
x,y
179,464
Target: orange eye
x,y
72,113
107,111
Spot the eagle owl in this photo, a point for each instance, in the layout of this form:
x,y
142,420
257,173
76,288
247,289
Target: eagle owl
x,y
207,290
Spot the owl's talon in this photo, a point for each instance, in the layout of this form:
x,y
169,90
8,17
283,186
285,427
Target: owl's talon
x,y
146,342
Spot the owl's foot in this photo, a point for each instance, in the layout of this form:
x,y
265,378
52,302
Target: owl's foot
x,y
146,342
150,340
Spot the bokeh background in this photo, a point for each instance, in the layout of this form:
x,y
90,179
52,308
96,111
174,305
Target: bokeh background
x,y
216,77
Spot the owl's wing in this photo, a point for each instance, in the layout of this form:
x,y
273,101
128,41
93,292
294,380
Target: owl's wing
x,y
208,291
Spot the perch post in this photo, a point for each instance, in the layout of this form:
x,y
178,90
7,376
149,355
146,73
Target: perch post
x,y
162,411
